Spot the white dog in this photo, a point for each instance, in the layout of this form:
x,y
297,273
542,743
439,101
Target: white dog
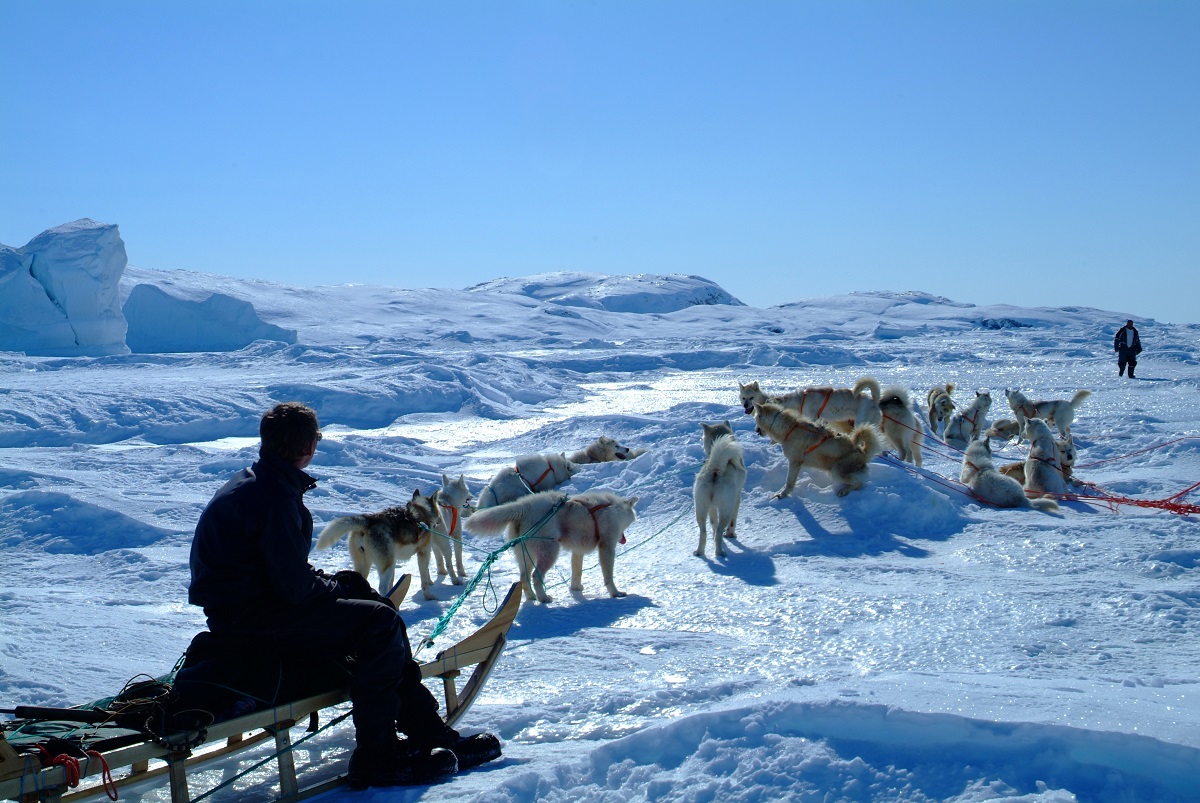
x,y
1004,429
1058,412
384,539
1067,454
532,473
595,520
604,450
1043,470
812,443
717,491
981,476
841,407
900,425
967,424
941,406
453,505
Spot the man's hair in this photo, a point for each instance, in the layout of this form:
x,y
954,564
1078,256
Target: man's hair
x,y
288,430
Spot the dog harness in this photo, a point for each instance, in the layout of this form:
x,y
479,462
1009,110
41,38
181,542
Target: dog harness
x,y
532,486
825,435
453,517
596,522
828,395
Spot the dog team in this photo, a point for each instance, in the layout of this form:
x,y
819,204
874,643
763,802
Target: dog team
x,y
836,430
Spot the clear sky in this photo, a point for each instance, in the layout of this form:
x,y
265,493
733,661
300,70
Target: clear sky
x,y
1037,153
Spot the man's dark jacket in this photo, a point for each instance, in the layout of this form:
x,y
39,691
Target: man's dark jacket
x,y
249,557
1121,342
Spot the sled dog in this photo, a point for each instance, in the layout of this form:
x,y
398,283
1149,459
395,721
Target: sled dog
x,y
941,406
1058,412
1066,459
812,443
595,520
981,476
967,424
389,537
717,491
1004,429
453,502
1043,471
603,450
532,473
841,407
900,425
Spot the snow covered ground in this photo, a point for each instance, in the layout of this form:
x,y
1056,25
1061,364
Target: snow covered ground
x,y
901,643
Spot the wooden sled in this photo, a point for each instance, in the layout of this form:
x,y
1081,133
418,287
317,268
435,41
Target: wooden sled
x,y
23,778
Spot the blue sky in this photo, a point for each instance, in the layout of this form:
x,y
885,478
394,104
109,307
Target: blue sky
x,y
1037,153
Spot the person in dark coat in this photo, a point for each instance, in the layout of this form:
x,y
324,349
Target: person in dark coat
x,y
280,629
1128,345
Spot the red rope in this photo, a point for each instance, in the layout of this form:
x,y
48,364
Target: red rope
x,y
71,767
1139,451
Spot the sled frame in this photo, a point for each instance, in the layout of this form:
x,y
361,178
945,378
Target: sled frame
x,y
22,777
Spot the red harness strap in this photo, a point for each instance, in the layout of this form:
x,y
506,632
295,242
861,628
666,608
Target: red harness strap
x,y
596,521
533,485
453,518
799,424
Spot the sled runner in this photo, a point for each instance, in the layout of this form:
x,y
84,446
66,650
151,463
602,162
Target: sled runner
x,y
87,744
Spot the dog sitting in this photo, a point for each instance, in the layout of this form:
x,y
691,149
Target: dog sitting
x,y
967,424
389,537
941,406
604,450
840,407
900,425
717,490
1067,455
595,520
1043,470
1059,412
981,476
811,443
532,473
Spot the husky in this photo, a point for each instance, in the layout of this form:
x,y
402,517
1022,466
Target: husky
x,y
1005,429
553,521
967,424
981,476
900,425
941,406
841,407
604,450
717,491
1067,455
1043,471
1058,412
453,506
532,473
803,442
389,537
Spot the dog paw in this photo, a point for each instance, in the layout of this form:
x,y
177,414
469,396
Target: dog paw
x,y
699,553
720,553
614,593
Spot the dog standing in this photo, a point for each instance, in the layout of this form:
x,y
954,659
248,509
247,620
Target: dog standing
x,y
1043,471
967,424
532,473
453,504
900,425
941,406
604,450
1059,412
389,537
595,520
717,491
811,443
981,476
841,407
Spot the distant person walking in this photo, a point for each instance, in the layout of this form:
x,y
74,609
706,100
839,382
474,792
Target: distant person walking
x,y
1128,345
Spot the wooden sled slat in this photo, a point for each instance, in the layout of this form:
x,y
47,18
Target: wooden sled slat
x,y
22,778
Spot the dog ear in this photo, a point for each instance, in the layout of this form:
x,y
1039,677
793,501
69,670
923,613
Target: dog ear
x,y
631,501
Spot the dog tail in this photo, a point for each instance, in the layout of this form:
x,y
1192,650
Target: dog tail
x,y
895,396
496,519
1044,504
866,439
867,383
335,530
726,454
1079,396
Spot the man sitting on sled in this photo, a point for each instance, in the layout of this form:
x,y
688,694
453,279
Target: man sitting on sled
x,y
280,629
